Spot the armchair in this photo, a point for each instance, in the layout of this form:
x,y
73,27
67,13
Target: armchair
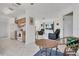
x,y
54,35
41,32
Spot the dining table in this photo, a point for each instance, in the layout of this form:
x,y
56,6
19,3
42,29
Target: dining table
x,y
46,43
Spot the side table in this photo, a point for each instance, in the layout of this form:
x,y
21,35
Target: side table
x,y
69,52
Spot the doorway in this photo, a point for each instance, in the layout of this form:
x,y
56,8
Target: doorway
x,y
68,25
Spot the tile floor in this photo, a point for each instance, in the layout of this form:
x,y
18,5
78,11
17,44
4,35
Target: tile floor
x,y
16,48
10,47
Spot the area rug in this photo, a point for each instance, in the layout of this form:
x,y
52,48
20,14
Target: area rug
x,y
49,52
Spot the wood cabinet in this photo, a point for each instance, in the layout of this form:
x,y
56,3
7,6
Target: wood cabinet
x,y
20,22
20,32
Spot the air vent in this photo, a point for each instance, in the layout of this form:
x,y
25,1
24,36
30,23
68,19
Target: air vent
x,y
18,3
11,9
14,5
7,10
31,3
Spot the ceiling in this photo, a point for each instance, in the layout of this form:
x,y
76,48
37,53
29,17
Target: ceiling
x,y
37,10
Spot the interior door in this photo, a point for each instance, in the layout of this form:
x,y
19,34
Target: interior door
x,y
68,25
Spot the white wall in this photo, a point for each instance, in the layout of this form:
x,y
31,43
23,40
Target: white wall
x,y
30,32
30,29
60,26
12,28
59,19
3,26
38,22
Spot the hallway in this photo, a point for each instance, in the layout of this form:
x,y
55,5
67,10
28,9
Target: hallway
x,y
16,48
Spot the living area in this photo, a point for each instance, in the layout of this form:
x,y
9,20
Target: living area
x,y
58,36
50,40
39,29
